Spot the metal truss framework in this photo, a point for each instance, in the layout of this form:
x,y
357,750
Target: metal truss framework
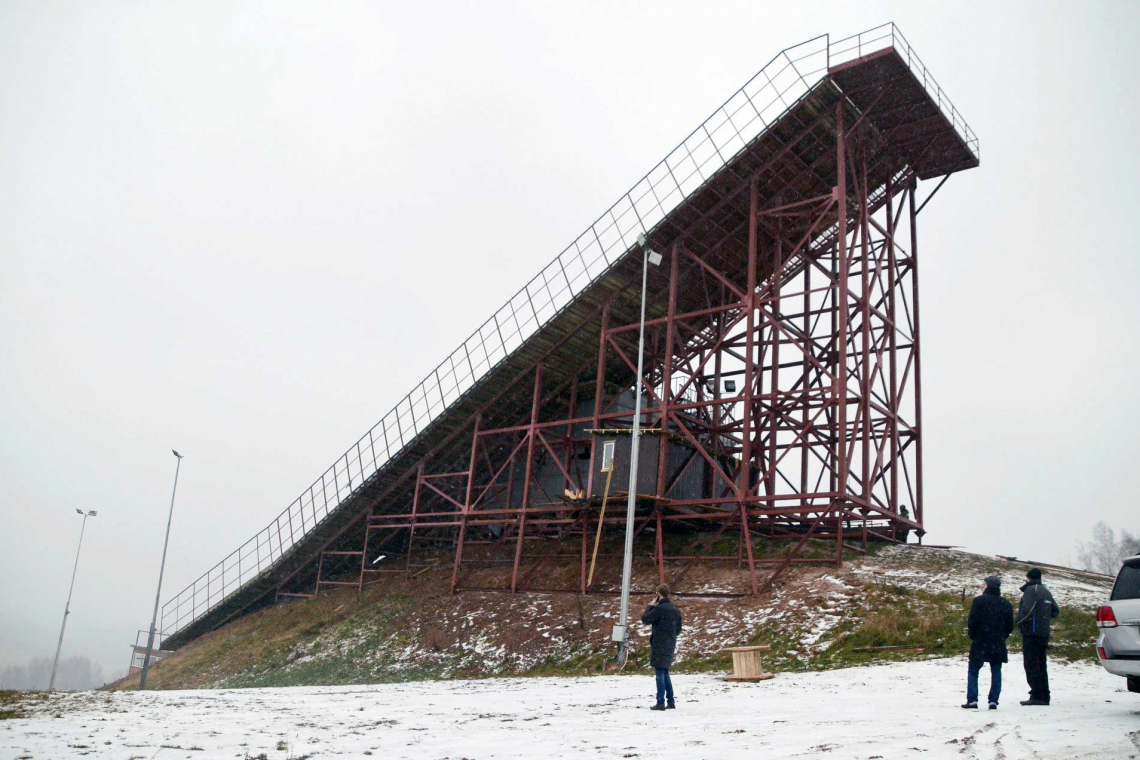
x,y
788,220
824,347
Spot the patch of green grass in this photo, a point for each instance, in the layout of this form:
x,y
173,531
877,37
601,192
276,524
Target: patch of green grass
x,y
890,615
266,644
360,638
1073,637
581,661
895,616
14,704
725,546
778,548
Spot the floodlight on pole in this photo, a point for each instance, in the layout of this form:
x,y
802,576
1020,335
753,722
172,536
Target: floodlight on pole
x,y
161,570
67,607
621,630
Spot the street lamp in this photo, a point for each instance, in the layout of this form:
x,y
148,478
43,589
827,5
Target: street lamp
x,y
161,569
67,607
621,630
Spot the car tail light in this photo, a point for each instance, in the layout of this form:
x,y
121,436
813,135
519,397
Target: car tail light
x,y
1101,653
1105,618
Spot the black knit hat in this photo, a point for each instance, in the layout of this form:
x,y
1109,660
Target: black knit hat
x,y
993,581
1034,574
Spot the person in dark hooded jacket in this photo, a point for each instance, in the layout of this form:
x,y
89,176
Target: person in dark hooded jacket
x,y
665,618
989,625
1034,619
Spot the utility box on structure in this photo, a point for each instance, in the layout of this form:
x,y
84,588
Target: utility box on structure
x,y
685,470
649,443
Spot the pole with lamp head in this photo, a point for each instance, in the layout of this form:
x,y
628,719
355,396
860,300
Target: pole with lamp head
x,y
161,569
67,607
621,630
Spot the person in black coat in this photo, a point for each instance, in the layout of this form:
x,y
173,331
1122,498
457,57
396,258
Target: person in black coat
x,y
989,625
1035,615
665,618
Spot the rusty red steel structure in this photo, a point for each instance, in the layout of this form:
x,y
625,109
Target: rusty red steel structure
x,y
782,394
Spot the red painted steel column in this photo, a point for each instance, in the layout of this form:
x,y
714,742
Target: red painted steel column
x,y
805,448
666,403
415,510
570,430
744,477
865,401
865,375
599,398
918,511
363,555
717,410
527,475
842,298
774,417
466,504
599,393
510,498
892,349
585,537
832,412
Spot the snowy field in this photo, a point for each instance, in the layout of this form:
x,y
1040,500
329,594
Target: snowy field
x,y
890,711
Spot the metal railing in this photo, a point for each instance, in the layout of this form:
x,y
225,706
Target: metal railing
x,y
784,80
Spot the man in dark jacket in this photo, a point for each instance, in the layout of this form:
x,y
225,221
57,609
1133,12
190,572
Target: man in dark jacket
x,y
1034,615
665,618
989,625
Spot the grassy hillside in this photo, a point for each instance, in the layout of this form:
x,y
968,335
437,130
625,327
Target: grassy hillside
x,y
816,617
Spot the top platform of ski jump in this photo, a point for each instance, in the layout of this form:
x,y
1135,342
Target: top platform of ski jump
x,y
765,130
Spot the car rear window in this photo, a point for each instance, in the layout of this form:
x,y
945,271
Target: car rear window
x,y
1127,584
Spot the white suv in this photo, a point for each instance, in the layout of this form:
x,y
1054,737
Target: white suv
x,y
1118,645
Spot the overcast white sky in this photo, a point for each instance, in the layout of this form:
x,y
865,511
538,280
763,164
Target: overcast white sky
x,y
245,230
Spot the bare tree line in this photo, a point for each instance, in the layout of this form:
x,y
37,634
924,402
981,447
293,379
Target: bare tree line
x,y
1104,553
74,674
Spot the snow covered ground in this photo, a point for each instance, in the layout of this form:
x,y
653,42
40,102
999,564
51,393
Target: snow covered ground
x,y
900,710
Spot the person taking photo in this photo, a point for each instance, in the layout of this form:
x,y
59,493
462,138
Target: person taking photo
x,y
665,618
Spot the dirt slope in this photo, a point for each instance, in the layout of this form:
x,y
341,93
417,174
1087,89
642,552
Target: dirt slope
x,y
816,617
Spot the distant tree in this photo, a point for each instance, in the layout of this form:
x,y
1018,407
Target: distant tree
x,y
1103,554
1129,544
75,673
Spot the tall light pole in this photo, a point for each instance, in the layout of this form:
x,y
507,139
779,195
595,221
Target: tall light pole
x,y
621,630
67,607
161,569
